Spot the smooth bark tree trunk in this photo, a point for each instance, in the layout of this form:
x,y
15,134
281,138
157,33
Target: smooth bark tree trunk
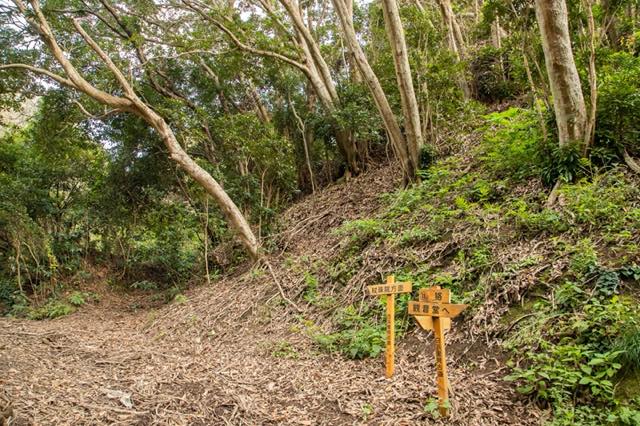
x,y
314,50
230,210
454,40
564,81
320,76
353,67
410,110
590,128
496,31
392,127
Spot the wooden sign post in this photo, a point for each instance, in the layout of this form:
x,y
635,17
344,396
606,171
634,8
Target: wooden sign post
x,y
434,312
390,289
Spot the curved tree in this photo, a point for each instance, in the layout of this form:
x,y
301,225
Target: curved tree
x,y
126,101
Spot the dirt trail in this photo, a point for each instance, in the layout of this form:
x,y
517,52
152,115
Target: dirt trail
x,y
234,354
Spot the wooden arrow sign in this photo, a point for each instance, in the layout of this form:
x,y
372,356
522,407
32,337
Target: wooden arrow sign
x,y
434,312
441,310
434,294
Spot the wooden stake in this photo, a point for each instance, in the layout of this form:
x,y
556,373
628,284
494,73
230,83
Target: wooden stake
x,y
391,330
441,367
389,290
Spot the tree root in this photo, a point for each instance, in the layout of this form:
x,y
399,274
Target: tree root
x,y
553,195
633,165
275,279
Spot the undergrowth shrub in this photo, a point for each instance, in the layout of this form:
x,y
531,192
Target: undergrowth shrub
x,y
358,337
529,218
490,68
628,344
618,114
52,309
572,353
512,144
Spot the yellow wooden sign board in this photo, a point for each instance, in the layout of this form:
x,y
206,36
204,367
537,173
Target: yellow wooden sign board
x,y
390,289
441,310
434,305
433,294
393,288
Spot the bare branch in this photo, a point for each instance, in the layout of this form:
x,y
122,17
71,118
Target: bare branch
x,y
96,117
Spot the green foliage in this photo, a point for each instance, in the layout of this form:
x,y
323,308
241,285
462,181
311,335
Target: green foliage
x,y
357,338
565,371
579,348
597,202
529,218
367,410
361,232
144,285
45,172
628,344
417,235
584,258
284,349
564,163
76,299
618,115
52,309
311,288
490,68
244,139
180,299
512,144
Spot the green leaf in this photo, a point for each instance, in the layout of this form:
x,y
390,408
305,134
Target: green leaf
x,y
526,389
586,369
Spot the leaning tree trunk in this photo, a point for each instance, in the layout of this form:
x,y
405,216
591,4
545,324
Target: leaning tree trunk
x,y
132,103
568,100
230,210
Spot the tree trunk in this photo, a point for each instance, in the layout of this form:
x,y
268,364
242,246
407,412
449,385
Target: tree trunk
x,y
410,110
351,60
321,80
206,239
454,40
382,103
496,30
305,145
314,50
231,212
568,100
590,128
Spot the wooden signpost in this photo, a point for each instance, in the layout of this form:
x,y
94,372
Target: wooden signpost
x,y
390,289
433,311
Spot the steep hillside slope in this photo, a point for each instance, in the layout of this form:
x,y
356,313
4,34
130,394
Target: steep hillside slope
x,y
235,353
295,340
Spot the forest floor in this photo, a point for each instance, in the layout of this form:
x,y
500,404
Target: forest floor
x,y
234,353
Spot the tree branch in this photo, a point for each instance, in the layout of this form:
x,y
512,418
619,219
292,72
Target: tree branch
x,y
41,25
633,165
96,117
106,59
42,71
243,46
